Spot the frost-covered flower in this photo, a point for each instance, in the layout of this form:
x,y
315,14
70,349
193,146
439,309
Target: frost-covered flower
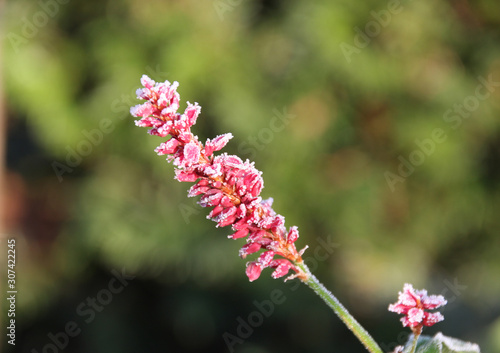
x,y
413,305
226,183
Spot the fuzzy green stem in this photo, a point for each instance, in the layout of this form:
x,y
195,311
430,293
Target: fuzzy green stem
x,y
416,334
340,310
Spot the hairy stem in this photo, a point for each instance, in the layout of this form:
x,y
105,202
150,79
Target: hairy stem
x,y
416,333
340,310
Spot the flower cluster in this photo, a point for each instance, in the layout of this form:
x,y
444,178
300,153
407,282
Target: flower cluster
x,y
413,303
229,185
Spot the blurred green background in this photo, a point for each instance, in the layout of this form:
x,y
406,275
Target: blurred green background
x,y
374,125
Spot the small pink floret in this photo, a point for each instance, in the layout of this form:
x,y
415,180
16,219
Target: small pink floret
x,y
414,303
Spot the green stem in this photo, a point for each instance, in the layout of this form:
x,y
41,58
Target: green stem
x,y
341,311
416,333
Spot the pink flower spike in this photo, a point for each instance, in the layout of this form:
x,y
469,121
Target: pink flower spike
x,y
253,270
414,303
226,183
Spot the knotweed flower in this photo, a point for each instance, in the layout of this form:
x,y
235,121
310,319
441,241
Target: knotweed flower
x,y
227,184
413,305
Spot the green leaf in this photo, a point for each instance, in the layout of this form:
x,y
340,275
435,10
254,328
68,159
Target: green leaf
x,y
441,344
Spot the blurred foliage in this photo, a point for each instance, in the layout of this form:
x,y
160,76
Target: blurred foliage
x,y
71,79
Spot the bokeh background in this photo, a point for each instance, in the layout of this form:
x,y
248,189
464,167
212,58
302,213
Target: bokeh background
x,y
337,102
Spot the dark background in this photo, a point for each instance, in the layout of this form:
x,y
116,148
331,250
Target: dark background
x,y
86,197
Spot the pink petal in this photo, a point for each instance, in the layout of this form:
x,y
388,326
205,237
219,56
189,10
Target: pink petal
x,y
282,267
149,121
433,302
226,202
242,211
182,175
192,111
293,235
199,188
216,211
415,316
169,147
162,131
232,161
142,110
248,249
185,136
240,234
432,318
226,217
253,270
143,93
256,235
217,143
191,153
211,198
399,308
266,257
241,224
257,187
147,82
